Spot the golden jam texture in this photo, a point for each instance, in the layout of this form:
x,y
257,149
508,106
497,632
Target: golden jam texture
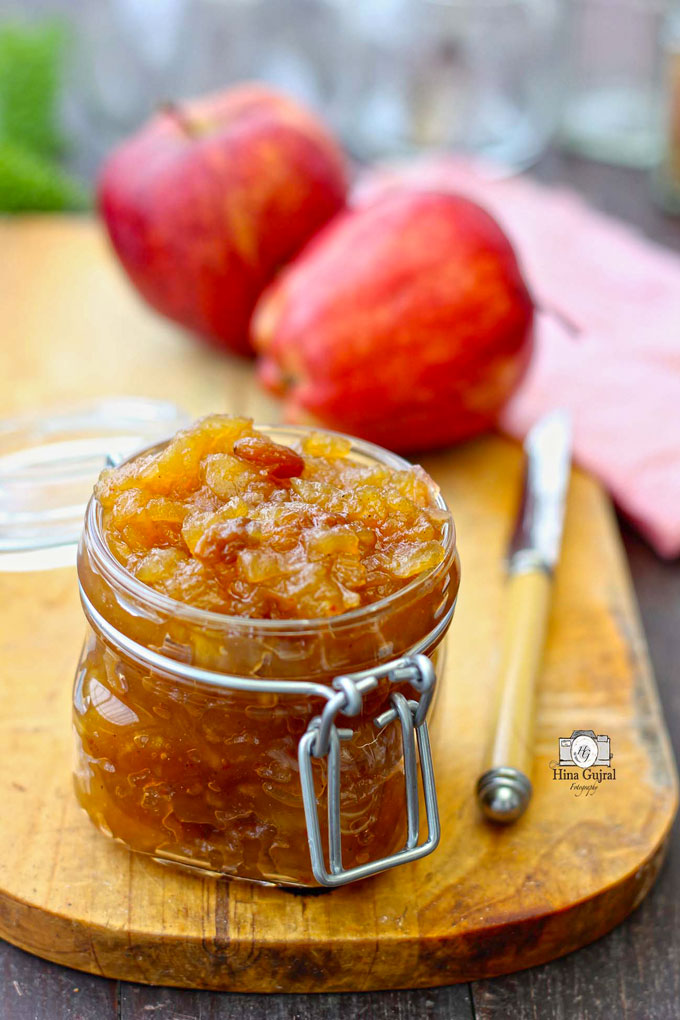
x,y
227,520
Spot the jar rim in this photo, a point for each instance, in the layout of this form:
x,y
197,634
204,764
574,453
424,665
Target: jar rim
x,y
114,570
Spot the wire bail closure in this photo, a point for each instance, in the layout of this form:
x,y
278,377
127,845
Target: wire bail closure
x,y
322,739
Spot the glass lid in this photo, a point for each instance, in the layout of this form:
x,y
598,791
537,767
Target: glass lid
x,y
49,463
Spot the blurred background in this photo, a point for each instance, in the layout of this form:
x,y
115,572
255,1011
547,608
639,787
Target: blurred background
x,y
501,79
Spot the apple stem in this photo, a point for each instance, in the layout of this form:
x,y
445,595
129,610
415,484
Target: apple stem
x,y
177,114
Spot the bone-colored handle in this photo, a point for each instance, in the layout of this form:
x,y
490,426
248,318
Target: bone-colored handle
x,y
505,788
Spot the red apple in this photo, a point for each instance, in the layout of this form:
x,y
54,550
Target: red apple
x,y
208,200
406,322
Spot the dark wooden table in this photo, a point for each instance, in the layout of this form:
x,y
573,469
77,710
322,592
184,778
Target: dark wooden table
x,y
631,974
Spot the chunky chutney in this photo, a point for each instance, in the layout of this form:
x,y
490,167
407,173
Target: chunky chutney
x,y
227,520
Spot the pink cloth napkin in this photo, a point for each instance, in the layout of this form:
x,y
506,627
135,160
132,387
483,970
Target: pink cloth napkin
x,y
607,336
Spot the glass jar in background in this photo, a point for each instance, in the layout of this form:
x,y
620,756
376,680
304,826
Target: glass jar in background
x,y
612,109
195,735
481,76
389,76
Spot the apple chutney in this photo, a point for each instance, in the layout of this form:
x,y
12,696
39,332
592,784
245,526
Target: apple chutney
x,y
266,607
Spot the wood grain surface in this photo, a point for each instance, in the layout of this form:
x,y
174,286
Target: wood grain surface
x,y
489,901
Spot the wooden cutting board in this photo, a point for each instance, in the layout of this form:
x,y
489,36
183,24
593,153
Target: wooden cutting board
x,y
488,901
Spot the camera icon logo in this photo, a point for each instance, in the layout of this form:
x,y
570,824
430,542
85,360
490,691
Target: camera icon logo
x,y
584,749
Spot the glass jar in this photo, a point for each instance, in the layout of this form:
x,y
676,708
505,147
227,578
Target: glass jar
x,y
612,109
480,76
259,749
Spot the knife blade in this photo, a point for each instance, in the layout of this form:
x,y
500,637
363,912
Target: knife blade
x,y
504,788
537,535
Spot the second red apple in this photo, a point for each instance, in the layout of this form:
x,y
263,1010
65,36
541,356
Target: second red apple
x,y
406,322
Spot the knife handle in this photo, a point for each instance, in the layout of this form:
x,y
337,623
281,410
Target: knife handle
x,y
504,788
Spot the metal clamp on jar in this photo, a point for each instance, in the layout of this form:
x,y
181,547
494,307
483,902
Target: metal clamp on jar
x,y
323,738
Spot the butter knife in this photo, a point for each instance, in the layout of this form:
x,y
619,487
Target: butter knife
x,y
504,789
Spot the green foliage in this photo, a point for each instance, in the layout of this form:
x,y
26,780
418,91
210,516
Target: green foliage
x,y
31,182
30,68
31,60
